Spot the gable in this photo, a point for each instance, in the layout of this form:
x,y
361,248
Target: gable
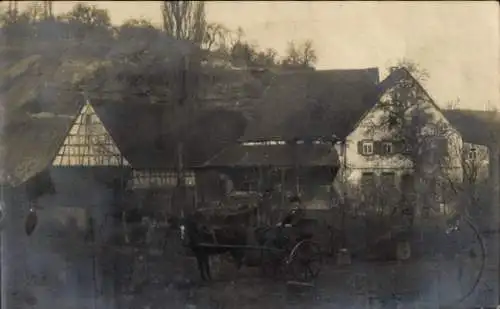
x,y
399,86
89,143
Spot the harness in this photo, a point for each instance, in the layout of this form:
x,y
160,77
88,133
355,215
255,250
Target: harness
x,y
211,231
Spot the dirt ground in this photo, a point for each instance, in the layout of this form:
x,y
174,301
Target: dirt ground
x,y
173,282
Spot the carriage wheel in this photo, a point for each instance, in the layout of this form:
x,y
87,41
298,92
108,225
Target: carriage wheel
x,y
305,261
461,263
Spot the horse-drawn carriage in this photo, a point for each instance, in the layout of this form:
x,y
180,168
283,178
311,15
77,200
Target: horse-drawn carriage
x,y
287,248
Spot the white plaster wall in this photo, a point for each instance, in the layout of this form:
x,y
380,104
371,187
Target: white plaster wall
x,y
356,163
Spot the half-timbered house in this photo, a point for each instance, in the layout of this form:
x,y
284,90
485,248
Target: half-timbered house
x,y
130,138
77,170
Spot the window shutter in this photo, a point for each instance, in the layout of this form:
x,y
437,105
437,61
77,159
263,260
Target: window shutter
x,y
360,147
377,148
407,147
398,146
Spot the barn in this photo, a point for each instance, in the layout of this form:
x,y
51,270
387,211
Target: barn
x,y
77,171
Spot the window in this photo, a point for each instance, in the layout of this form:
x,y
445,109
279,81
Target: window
x,y
387,148
189,178
388,179
472,154
442,129
368,185
171,178
407,182
367,148
367,179
431,130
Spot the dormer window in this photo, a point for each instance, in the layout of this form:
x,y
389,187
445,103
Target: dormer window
x,y
442,129
429,130
88,119
472,155
406,83
367,148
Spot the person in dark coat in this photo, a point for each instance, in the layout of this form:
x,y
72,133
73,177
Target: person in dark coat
x,y
295,214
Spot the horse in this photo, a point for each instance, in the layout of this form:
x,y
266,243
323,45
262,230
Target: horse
x,y
205,242
236,234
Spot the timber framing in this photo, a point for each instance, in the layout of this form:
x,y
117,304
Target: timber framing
x,y
159,179
89,143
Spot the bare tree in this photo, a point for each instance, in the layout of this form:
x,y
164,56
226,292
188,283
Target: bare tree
x,y
216,37
185,20
48,9
418,72
300,55
471,187
406,116
444,173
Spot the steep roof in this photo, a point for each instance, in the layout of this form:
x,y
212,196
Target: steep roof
x,y
28,147
313,104
275,155
137,131
478,127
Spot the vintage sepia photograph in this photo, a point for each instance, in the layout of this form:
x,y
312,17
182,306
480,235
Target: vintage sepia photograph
x,y
249,154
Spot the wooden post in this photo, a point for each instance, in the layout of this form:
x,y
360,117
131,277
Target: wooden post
x,y
344,195
260,181
180,145
14,247
259,219
495,183
124,219
495,211
195,193
296,167
282,172
3,256
180,178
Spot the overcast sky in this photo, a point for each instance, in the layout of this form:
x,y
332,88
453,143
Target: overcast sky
x,y
457,42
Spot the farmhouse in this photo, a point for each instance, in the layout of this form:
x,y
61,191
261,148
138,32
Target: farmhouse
x,y
369,150
346,107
